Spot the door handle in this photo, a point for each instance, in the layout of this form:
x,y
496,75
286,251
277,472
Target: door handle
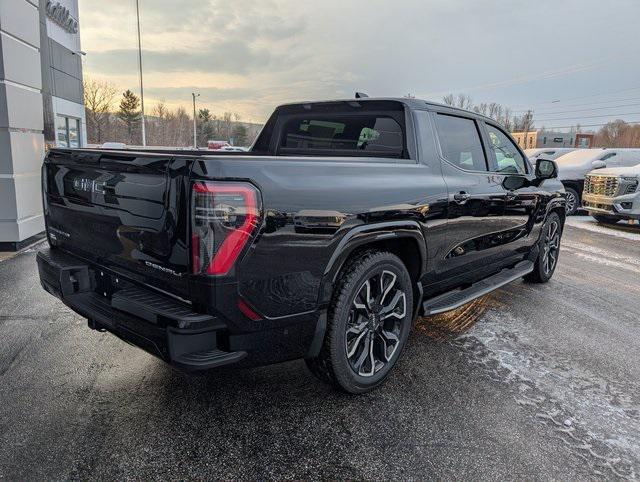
x,y
461,197
510,196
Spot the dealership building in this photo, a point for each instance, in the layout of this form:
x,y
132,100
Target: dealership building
x,y
40,105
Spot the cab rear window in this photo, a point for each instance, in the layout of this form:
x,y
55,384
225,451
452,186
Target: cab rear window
x,y
365,135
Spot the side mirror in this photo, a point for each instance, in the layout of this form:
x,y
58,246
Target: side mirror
x,y
598,164
546,169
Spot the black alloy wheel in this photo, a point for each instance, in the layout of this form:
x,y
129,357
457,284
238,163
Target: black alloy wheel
x,y
368,322
551,246
373,329
548,250
572,199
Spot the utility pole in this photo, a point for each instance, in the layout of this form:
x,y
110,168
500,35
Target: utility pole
x,y
195,131
144,135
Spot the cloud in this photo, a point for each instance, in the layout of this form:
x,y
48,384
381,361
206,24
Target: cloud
x,y
207,94
227,57
255,55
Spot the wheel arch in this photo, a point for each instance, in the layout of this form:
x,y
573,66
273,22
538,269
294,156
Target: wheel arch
x,y
557,206
402,238
576,185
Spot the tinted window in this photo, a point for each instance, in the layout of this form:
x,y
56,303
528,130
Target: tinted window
x,y
508,158
367,133
460,142
607,156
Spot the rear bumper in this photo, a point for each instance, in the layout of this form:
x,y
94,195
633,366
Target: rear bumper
x,y
170,329
158,324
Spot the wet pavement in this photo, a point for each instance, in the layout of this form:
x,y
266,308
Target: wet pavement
x,y
530,382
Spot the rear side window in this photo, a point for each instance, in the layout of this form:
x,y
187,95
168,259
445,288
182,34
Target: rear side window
x,y
460,142
368,134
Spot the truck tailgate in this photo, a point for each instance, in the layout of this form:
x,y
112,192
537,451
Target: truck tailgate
x,y
122,211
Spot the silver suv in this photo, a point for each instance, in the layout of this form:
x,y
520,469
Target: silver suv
x,y
612,194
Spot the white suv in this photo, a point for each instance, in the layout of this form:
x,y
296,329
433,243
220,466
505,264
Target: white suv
x,y
612,194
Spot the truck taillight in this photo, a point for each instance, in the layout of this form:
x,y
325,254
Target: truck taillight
x,y
224,215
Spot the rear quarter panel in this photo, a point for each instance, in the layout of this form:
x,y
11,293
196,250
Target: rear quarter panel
x,y
310,205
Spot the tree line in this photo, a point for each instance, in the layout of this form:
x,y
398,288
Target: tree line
x,y
115,117
499,113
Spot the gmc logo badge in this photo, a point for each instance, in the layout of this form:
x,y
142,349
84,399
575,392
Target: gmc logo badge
x,y
88,185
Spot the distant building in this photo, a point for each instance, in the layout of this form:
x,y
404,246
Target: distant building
x,y
40,103
540,139
526,140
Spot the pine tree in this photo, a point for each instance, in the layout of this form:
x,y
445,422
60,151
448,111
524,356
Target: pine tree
x,y
129,112
205,127
240,135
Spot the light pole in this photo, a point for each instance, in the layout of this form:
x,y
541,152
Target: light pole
x,y
195,135
144,135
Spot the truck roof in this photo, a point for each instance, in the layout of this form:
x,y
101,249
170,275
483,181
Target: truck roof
x,y
412,103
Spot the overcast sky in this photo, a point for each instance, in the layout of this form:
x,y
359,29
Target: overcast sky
x,y
248,56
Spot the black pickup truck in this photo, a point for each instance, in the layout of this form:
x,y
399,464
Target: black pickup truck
x,y
345,221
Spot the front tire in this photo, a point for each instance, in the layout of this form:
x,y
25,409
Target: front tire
x,y
549,250
605,218
368,323
573,201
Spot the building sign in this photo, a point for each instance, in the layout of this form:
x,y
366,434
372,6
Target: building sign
x,y
61,15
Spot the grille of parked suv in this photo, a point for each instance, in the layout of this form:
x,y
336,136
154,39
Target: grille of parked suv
x,y
601,185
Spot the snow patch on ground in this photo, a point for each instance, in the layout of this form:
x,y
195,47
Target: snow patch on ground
x,y
604,420
590,224
602,256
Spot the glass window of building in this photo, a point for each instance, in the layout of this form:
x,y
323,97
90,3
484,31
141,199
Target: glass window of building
x,y
67,131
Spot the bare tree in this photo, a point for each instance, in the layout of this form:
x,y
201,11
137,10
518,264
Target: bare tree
x,y
449,99
502,115
618,134
99,98
481,108
157,125
464,102
523,123
495,111
506,120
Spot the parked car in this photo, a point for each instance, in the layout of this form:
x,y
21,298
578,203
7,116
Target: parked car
x,y
612,194
551,153
574,166
216,145
194,256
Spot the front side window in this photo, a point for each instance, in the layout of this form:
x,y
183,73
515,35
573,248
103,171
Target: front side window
x,y
508,157
368,133
608,156
460,142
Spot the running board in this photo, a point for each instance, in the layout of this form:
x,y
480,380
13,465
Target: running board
x,y
454,299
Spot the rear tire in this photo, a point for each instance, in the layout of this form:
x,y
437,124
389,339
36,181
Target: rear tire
x,y
549,250
368,323
573,201
605,218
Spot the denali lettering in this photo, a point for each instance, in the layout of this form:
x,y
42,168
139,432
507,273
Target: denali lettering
x,y
161,268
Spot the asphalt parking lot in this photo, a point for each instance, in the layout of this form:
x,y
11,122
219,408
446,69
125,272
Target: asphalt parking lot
x,y
531,382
